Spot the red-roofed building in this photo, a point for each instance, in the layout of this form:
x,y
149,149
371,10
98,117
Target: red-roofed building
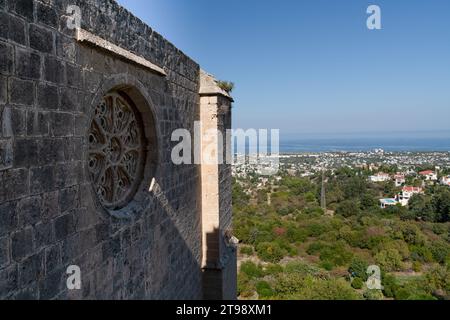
x,y
399,179
429,175
407,193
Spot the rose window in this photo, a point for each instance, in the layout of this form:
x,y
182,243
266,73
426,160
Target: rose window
x,y
115,151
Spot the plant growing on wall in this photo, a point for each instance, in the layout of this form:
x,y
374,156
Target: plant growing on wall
x,y
226,86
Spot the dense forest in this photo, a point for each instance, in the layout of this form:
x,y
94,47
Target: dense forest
x,y
292,248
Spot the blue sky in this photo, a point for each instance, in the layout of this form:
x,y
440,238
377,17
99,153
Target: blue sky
x,y
312,66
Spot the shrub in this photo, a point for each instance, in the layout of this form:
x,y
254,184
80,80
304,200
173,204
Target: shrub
x,y
358,268
327,265
417,267
373,295
336,255
389,260
251,270
273,269
295,234
421,253
247,250
270,252
316,229
390,286
440,251
264,289
315,248
226,86
244,286
357,283
348,208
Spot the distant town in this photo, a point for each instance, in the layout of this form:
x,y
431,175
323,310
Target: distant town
x,y
407,169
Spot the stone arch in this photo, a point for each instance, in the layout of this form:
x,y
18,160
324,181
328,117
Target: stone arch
x,y
137,95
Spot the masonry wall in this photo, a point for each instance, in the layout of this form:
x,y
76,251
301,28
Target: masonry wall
x,y
49,85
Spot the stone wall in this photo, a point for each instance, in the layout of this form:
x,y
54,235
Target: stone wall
x,y
50,217
219,254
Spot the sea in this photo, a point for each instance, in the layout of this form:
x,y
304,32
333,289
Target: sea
x,y
355,144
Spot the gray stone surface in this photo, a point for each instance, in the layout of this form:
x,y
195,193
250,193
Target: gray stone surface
x,y
49,216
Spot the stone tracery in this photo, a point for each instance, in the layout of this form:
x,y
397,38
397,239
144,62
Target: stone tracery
x,y
115,151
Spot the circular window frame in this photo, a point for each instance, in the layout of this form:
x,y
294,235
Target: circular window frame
x,y
117,165
137,96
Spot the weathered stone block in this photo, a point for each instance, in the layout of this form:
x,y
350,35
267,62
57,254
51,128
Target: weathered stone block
x,y
9,278
13,122
111,248
41,39
50,151
6,153
53,70
3,91
29,210
22,244
68,174
23,8
28,293
52,258
81,123
22,92
64,226
31,269
69,100
6,58
68,199
44,234
4,252
4,25
28,64
65,48
13,184
37,123
48,97
50,208
12,28
8,217
25,152
52,284
42,179
74,76
61,124
73,149
46,15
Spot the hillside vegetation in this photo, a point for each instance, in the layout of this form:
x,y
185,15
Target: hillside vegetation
x,y
293,249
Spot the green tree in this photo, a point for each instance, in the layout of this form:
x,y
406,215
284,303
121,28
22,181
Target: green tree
x,y
358,268
389,260
348,208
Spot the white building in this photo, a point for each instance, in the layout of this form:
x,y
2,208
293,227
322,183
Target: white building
x,y
429,175
399,179
445,181
407,193
380,177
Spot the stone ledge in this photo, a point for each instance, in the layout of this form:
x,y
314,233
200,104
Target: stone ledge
x,y
86,36
209,87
